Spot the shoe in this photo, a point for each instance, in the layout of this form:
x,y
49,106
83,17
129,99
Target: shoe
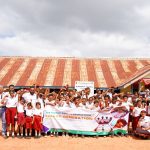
x,y
35,137
56,134
4,136
96,136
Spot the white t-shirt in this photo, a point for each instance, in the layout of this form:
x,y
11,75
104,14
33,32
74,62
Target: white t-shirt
x,y
38,112
30,98
145,122
89,105
127,105
41,102
20,108
70,105
11,102
82,106
95,108
29,112
113,105
136,111
109,94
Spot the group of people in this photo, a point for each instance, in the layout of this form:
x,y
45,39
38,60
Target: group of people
x,y
21,111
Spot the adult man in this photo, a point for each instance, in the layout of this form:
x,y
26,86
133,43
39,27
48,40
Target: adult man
x,y
30,97
2,111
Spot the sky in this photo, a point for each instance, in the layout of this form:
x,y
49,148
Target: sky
x,y
75,28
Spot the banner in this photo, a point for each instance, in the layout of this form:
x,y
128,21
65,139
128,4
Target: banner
x,y
87,122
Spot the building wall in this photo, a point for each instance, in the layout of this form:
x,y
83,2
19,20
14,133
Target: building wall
x,y
127,89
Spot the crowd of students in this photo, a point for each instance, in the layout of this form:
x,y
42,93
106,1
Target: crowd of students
x,y
21,111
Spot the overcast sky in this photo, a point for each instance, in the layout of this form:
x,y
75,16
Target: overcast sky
x,y
75,28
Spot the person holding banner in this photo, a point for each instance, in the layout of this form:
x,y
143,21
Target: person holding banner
x,y
96,106
90,103
67,103
83,103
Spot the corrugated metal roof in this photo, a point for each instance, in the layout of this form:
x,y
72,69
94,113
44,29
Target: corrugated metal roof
x,y
53,71
142,72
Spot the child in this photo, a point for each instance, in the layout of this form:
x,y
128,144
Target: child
x,y
136,114
11,103
96,106
89,103
83,103
20,117
37,119
28,119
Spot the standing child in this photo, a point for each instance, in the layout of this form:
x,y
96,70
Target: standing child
x,y
37,119
20,117
136,114
11,103
28,119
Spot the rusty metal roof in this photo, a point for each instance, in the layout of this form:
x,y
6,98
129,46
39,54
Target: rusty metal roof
x,y
53,71
142,72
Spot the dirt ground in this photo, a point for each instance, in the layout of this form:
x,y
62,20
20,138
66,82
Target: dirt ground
x,y
69,143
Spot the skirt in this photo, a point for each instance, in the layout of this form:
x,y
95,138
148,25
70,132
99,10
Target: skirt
x,y
20,119
37,123
28,122
10,115
135,122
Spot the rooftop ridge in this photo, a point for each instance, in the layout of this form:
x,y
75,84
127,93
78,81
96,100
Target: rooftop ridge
x,y
105,58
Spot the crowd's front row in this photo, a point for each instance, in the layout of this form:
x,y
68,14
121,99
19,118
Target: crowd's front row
x,y
22,111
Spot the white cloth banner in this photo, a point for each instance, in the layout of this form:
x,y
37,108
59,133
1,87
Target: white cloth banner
x,y
83,120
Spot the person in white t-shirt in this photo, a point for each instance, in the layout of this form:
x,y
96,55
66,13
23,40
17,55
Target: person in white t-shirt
x,y
40,100
2,111
83,103
143,127
37,119
67,103
49,101
28,119
136,114
11,103
30,96
124,102
20,117
96,106
90,103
